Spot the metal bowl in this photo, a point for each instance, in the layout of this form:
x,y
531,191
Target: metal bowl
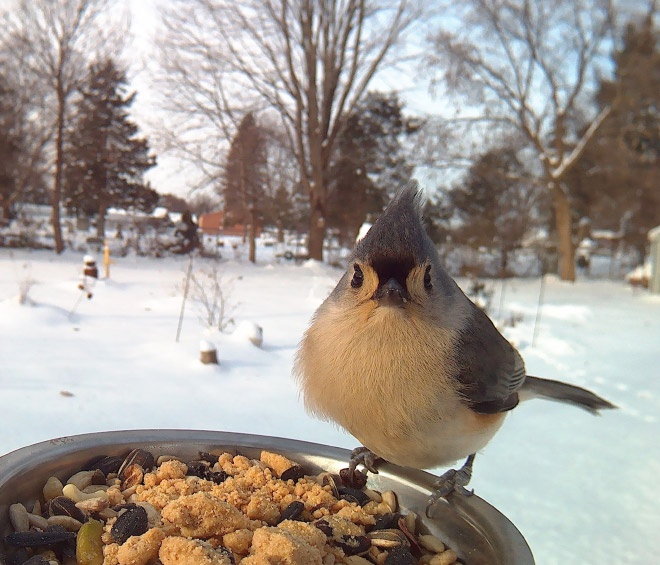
x,y
475,530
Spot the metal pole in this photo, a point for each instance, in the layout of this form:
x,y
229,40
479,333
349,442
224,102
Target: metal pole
x,y
185,295
76,304
538,310
502,289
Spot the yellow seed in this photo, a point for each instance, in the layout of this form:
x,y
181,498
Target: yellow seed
x,y
89,547
432,543
52,488
446,558
49,555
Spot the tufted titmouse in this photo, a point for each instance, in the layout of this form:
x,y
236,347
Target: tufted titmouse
x,y
404,361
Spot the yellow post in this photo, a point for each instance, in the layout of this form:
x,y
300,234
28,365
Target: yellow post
x,y
106,258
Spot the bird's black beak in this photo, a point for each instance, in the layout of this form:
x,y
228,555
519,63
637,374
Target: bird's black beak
x,y
391,294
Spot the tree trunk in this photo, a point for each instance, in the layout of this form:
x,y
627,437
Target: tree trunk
x,y
59,161
253,235
100,222
317,202
504,261
6,210
316,234
564,235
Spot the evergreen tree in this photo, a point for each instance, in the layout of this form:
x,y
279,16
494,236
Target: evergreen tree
x,y
173,203
8,150
244,187
106,160
11,148
282,213
369,165
495,203
616,180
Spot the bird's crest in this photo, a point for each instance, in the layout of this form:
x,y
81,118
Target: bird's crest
x,y
399,231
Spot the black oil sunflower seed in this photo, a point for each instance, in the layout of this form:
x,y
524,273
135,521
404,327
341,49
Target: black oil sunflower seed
x,y
208,457
217,477
324,526
106,464
198,469
399,556
227,552
386,521
63,506
354,545
357,480
31,539
353,495
296,472
133,522
137,457
293,511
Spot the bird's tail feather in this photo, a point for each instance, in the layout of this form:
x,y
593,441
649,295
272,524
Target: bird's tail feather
x,y
535,387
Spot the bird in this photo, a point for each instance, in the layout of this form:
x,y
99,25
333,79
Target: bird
x,y
403,360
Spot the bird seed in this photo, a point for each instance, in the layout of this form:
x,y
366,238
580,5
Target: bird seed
x,y
217,510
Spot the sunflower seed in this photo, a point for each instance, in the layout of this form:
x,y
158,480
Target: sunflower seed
x,y
292,511
388,538
329,479
399,556
293,473
133,522
353,495
63,506
137,457
354,545
105,464
132,476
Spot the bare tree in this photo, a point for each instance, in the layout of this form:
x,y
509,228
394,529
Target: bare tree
x,y
30,119
496,202
311,60
53,40
532,65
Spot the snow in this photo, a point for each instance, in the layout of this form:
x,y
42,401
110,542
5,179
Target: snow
x,y
206,346
640,272
251,331
581,489
654,234
364,228
159,212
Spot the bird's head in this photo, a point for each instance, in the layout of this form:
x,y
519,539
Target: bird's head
x,y
395,268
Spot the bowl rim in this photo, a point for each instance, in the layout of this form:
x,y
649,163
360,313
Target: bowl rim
x,y
473,508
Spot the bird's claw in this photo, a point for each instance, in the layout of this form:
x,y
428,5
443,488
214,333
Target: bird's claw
x,y
365,457
454,480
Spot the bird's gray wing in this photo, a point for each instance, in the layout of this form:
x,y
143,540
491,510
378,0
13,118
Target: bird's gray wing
x,y
490,369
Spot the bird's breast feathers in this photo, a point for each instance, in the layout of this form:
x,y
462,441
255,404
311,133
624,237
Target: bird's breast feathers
x,y
383,374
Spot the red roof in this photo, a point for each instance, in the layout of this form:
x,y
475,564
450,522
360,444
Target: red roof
x,y
212,224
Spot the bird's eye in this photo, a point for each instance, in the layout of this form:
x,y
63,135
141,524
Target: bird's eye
x,y
428,285
358,277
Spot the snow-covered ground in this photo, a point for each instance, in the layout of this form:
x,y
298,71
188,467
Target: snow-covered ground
x,y
581,489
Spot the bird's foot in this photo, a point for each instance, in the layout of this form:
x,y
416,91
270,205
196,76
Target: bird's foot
x,y
363,456
454,480
353,477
